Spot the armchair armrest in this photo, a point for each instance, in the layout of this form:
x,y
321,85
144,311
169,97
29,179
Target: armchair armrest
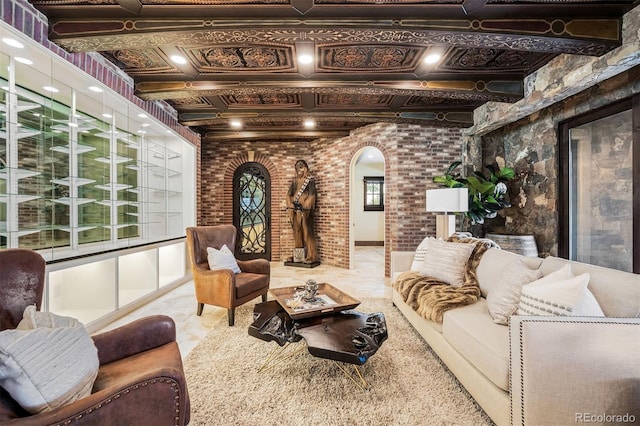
x,y
255,266
135,337
568,370
401,262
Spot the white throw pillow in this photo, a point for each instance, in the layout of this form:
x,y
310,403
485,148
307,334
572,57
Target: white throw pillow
x,y
418,257
578,299
503,298
222,259
587,306
46,368
446,261
31,318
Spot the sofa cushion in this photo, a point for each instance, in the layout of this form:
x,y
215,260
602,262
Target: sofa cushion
x,y
446,261
485,344
504,298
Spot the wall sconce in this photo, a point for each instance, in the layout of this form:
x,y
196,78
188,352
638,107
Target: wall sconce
x,y
445,201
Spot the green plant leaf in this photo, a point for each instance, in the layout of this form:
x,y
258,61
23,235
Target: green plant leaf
x,y
452,167
506,173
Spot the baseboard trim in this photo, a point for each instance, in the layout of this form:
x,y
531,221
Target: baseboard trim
x,y
369,243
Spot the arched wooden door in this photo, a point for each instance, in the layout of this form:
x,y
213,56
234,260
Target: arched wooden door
x,y
251,211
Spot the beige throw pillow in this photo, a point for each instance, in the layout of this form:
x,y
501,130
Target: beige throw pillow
x,y
503,299
46,368
446,261
222,259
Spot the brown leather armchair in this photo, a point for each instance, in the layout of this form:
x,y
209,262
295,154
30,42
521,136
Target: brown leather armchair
x,y
224,288
140,380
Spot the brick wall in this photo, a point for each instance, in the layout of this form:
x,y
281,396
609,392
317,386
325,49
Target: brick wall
x,y
413,155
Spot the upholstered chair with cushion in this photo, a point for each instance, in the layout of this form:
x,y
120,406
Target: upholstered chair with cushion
x,y
140,379
223,287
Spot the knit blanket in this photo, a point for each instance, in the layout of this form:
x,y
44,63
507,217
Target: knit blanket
x,y
431,298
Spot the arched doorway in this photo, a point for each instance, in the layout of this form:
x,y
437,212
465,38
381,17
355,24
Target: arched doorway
x,y
251,211
367,222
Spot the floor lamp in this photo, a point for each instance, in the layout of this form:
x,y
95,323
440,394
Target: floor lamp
x,y
445,201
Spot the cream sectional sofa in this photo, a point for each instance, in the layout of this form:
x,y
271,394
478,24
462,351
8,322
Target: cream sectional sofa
x,y
542,370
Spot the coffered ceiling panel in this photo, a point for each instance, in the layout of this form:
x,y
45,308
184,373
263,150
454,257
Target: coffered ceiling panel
x,y
274,64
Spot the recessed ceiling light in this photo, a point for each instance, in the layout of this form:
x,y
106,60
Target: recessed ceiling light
x,y
309,123
141,115
432,58
177,59
145,125
13,42
305,59
23,60
106,115
236,123
95,89
51,89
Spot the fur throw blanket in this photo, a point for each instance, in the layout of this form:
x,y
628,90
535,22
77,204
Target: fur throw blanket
x,y
430,297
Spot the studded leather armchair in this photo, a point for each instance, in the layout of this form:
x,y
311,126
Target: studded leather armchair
x,y
224,288
140,381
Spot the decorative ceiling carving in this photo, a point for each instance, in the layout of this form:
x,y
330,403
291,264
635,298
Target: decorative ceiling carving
x,y
242,56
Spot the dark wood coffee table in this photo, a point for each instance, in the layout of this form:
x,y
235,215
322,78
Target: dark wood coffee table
x,y
344,336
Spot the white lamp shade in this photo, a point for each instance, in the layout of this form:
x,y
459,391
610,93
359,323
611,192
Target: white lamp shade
x,y
448,200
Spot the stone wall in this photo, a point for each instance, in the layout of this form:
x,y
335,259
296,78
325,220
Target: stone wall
x,y
530,146
413,155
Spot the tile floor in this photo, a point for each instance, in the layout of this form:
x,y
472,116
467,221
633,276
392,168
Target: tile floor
x,y
366,279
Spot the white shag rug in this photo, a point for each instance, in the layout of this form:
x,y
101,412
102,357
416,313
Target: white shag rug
x,y
408,385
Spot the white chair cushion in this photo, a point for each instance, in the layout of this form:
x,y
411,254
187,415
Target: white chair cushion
x,y
31,318
222,259
46,368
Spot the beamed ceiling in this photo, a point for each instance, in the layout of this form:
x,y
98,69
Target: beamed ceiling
x,y
242,56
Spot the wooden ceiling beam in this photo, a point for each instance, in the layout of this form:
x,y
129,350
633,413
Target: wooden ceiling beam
x,y
472,6
573,36
133,6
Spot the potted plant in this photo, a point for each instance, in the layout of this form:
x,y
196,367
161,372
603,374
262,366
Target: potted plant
x,y
487,194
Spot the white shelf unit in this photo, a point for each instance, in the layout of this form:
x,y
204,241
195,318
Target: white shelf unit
x,y
101,288
11,132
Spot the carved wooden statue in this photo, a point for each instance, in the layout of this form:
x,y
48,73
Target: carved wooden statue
x,y
301,204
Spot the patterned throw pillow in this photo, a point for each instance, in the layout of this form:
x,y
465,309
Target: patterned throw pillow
x,y
446,261
222,259
47,367
503,299
31,318
559,294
